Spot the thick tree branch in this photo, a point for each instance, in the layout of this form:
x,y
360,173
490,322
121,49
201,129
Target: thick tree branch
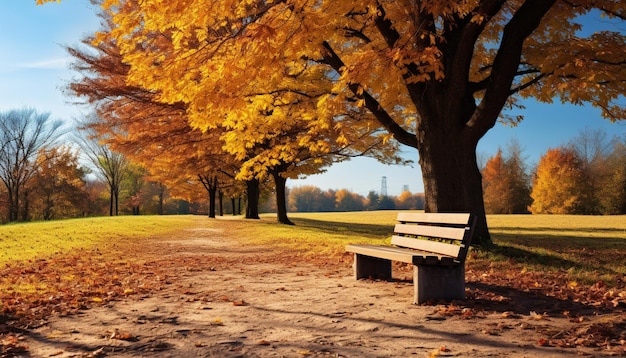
x,y
400,134
506,64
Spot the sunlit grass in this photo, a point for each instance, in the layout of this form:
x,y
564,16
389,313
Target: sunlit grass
x,y
25,241
587,247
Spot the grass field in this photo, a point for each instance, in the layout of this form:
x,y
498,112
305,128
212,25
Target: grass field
x,y
587,247
26,241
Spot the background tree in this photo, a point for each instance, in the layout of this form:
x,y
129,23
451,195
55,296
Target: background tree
x,y
348,201
495,185
23,133
506,184
557,184
58,187
386,203
133,186
435,76
372,200
111,167
409,201
613,194
593,147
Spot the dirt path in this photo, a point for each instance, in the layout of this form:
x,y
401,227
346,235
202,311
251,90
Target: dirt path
x,y
224,300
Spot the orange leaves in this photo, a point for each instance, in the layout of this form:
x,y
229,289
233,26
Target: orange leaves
x,y
12,346
33,290
123,336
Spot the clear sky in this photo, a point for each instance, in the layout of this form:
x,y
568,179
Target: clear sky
x,y
34,70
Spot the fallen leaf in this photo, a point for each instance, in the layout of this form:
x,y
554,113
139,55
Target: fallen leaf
x,y
509,314
537,316
123,336
543,342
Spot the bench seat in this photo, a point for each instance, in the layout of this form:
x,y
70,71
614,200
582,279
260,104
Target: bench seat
x,y
435,244
400,254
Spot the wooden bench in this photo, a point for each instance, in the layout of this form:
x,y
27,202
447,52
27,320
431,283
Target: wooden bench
x,y
436,245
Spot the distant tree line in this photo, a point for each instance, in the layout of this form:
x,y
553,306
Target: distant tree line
x,y
313,199
585,176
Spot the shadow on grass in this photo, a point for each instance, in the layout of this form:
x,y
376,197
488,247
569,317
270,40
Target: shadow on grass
x,y
602,255
593,230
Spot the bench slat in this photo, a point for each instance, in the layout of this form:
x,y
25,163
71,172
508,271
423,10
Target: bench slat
x,y
441,218
400,254
384,252
452,233
427,245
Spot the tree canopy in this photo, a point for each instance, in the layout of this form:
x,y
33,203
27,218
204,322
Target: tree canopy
x,y
435,75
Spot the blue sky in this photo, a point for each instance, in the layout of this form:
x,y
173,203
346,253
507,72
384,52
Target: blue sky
x,y
33,71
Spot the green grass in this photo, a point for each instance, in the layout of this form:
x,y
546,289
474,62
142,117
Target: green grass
x,y
25,241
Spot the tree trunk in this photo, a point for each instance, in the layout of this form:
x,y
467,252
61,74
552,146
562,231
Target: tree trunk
x,y
252,189
281,198
452,180
221,198
160,207
25,205
111,198
117,202
13,205
212,195
232,202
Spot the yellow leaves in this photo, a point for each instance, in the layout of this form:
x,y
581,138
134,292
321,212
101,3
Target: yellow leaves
x,y
41,2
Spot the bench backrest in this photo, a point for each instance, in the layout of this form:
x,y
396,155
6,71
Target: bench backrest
x,y
443,234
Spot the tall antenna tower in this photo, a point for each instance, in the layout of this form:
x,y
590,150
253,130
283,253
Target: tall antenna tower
x,y
383,187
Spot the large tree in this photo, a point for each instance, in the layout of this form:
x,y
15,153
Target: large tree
x,y
284,141
435,74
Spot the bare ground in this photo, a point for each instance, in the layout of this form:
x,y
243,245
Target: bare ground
x,y
222,299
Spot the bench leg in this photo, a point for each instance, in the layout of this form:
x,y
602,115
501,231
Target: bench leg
x,y
374,267
438,282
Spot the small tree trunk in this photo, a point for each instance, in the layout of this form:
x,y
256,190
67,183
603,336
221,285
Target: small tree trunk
x,y
221,198
160,209
212,195
25,205
252,189
281,198
111,196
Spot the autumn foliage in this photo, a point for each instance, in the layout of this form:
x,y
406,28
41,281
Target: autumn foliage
x,y
558,183
287,81
506,186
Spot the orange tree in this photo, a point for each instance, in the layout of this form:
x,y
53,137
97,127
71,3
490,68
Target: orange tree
x,y
153,134
436,75
270,132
